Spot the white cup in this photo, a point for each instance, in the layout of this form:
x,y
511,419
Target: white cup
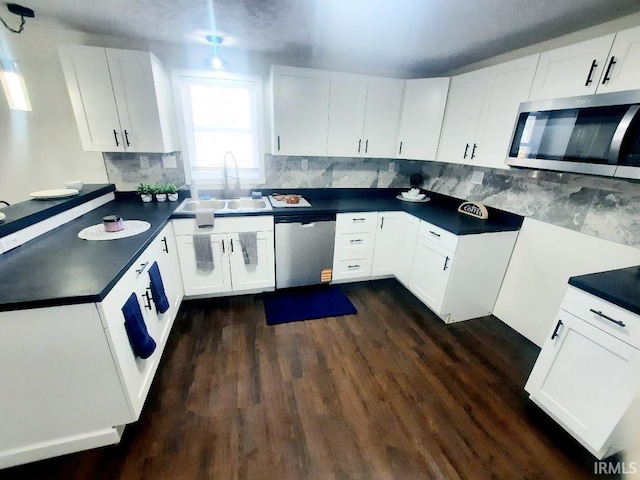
x,y
414,192
75,184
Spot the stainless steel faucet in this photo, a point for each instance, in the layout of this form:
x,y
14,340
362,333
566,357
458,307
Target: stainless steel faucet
x,y
226,193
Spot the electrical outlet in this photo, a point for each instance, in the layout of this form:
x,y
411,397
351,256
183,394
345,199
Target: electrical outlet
x,y
392,166
477,177
304,164
169,161
9,242
144,161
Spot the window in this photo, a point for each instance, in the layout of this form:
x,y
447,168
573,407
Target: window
x,y
222,115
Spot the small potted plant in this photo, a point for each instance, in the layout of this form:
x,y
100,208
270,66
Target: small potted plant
x,y
171,189
161,196
145,191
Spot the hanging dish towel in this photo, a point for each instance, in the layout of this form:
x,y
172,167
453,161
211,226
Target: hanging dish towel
x,y
205,217
249,245
157,289
141,342
203,251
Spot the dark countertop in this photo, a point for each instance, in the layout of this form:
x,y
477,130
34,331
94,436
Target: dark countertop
x,y
620,287
58,268
24,214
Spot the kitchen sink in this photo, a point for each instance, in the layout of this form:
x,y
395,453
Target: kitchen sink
x,y
224,206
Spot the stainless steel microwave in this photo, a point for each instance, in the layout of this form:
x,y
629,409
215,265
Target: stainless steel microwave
x,y
593,134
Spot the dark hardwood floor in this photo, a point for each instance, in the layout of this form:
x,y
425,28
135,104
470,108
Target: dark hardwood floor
x,y
389,393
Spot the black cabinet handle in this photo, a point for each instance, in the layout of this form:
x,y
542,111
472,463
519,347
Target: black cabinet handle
x,y
278,142
382,223
359,145
231,242
147,299
600,314
612,62
446,263
366,146
126,138
115,135
466,149
555,330
142,267
223,251
400,151
434,233
473,152
165,249
594,64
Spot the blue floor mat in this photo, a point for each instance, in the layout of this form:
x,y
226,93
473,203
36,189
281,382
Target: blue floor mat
x,y
293,305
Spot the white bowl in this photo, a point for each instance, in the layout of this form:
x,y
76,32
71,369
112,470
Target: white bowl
x,y
409,196
75,184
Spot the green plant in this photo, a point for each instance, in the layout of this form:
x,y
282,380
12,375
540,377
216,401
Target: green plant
x,y
167,188
144,189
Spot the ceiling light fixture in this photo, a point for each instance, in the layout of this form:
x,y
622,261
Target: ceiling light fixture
x,y
18,10
13,85
214,60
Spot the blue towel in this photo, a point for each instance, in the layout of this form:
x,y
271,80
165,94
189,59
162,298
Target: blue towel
x,y
141,342
157,289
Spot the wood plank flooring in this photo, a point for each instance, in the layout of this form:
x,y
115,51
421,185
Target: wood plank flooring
x,y
389,393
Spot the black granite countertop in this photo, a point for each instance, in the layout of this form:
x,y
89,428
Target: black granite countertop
x,y
620,287
24,214
58,268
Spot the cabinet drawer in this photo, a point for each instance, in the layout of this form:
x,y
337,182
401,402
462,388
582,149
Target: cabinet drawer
x,y
188,226
350,242
347,266
584,305
356,222
438,236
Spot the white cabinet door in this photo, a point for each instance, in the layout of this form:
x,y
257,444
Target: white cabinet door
x,y
348,99
300,111
384,101
408,227
396,237
252,277
572,70
622,71
422,115
430,273
508,85
198,282
461,117
135,97
585,378
89,83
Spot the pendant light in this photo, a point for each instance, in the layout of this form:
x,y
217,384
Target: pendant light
x,y
214,60
10,76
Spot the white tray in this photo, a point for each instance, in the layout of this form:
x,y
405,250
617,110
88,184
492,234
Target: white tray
x,y
281,203
55,193
131,228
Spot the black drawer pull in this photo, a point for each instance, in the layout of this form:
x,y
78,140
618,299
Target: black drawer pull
x,y
357,240
600,314
353,266
434,233
358,219
142,267
555,331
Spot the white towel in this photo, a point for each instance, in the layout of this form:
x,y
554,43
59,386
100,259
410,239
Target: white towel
x,y
204,252
204,217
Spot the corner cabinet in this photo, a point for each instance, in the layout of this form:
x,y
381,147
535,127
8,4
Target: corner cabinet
x,y
459,276
588,371
481,111
230,274
396,236
299,110
120,98
422,115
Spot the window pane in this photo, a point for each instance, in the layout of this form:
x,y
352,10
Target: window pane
x,y
220,107
212,146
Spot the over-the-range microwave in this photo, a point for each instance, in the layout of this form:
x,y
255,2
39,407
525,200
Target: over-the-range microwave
x,y
594,134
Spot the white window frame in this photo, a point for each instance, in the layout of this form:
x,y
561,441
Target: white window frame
x,y
183,110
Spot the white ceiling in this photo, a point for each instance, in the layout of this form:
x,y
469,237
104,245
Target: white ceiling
x,y
422,37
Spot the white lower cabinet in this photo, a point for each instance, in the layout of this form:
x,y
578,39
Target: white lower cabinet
x,y
354,244
458,277
230,274
70,378
588,372
395,241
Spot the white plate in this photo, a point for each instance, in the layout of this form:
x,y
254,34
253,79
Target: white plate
x,y
2,216
416,200
56,193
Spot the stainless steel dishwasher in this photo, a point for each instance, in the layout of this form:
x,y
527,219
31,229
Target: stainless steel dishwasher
x,y
304,249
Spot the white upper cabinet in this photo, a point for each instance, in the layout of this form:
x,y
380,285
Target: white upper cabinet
x,y
363,116
300,111
622,71
422,115
120,99
602,65
347,107
481,111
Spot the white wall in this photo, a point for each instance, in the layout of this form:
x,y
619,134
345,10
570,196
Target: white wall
x,y
544,258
